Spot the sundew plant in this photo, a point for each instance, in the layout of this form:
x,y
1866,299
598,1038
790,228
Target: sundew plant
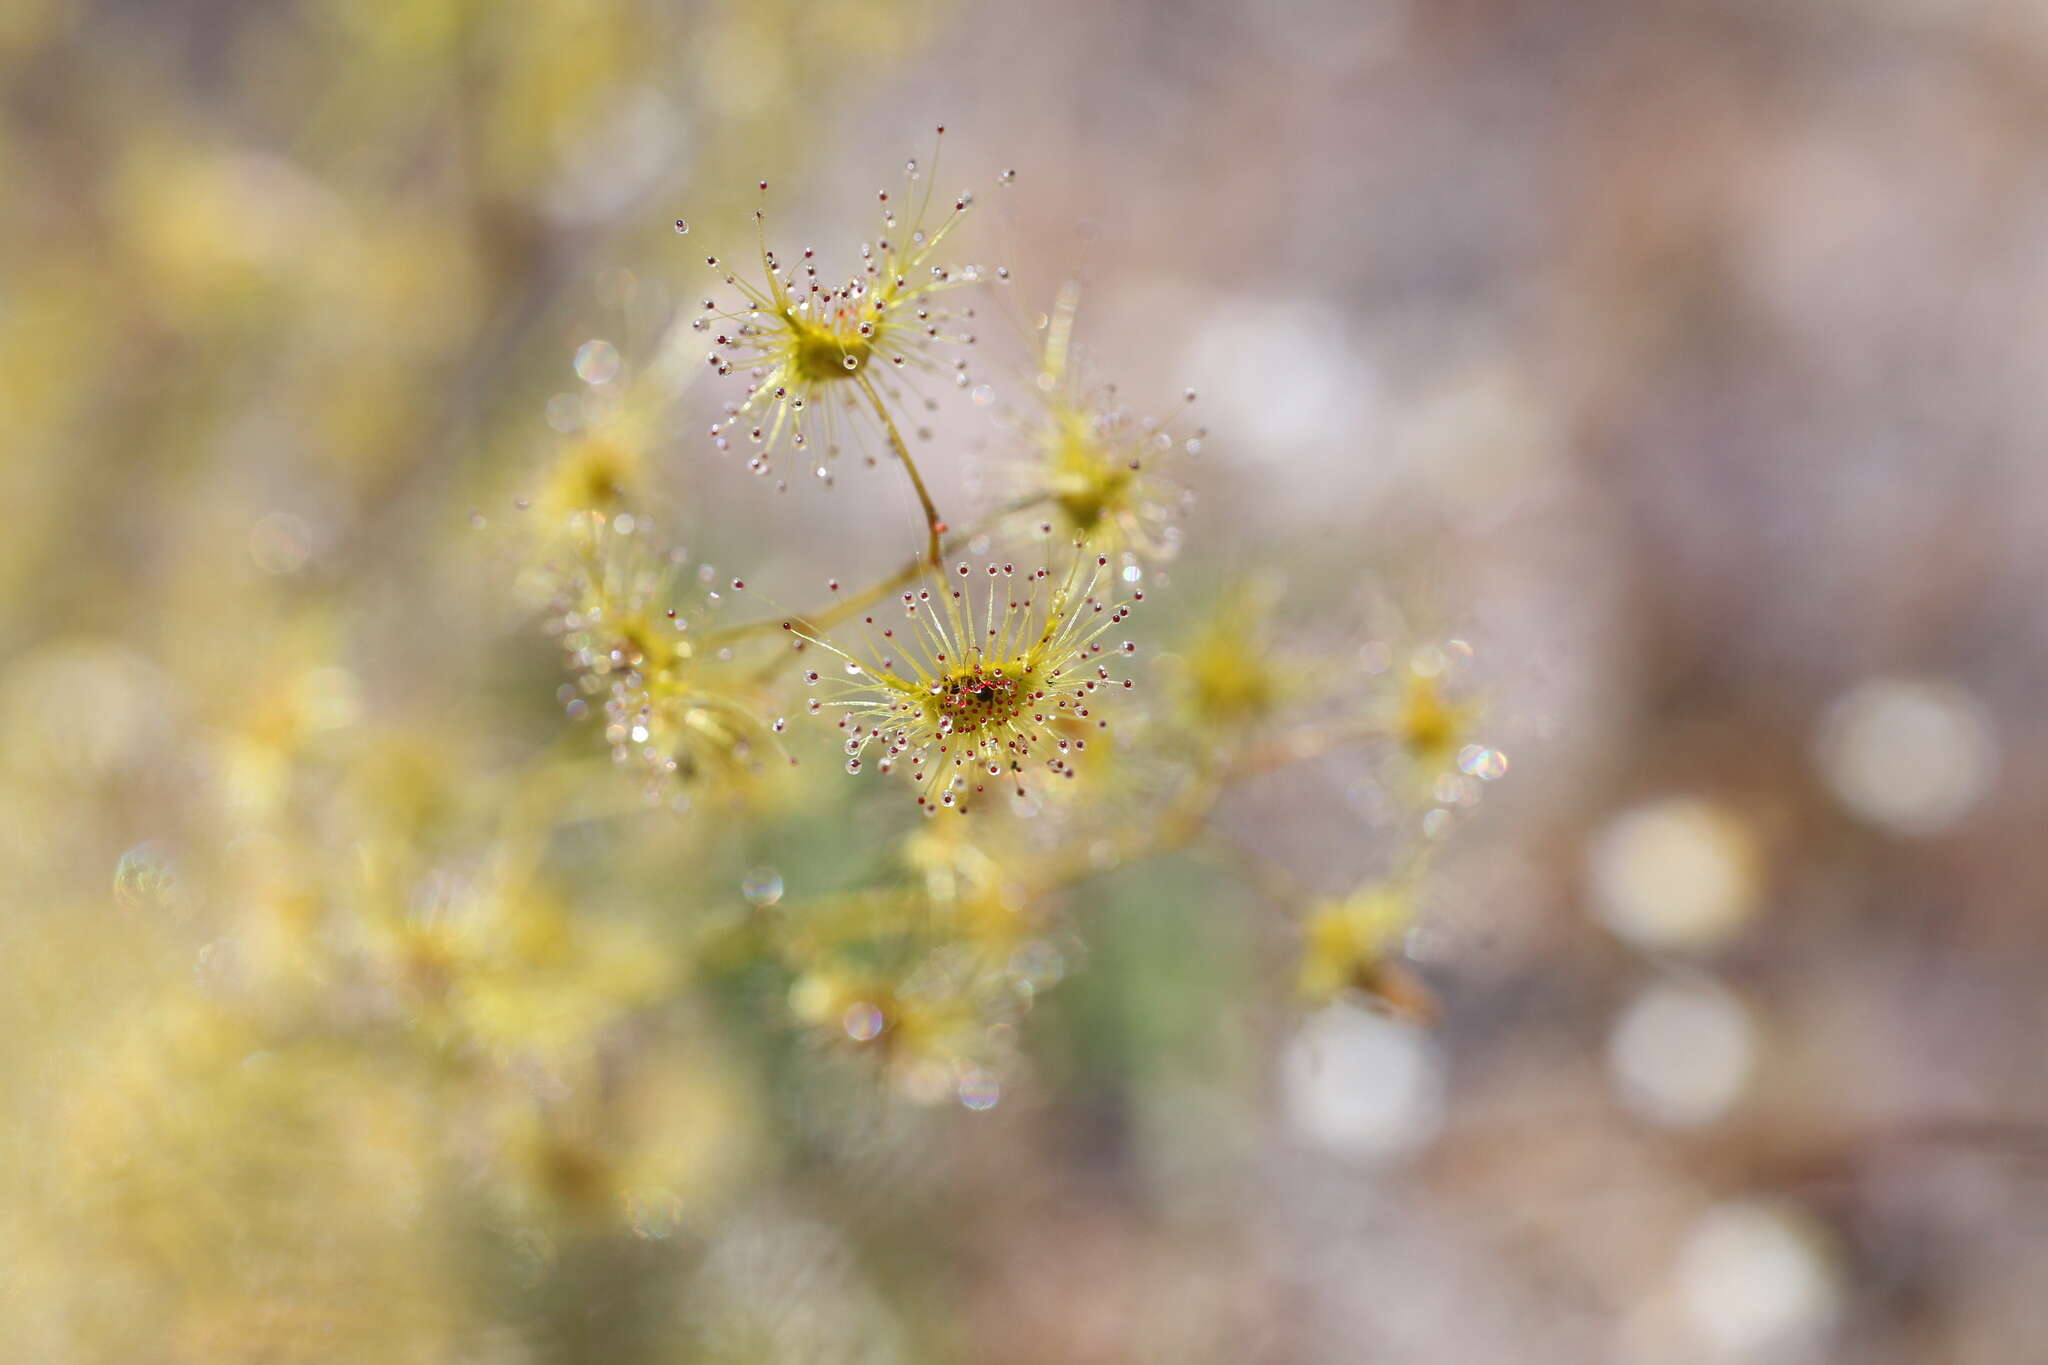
x,y
991,679
522,919
652,713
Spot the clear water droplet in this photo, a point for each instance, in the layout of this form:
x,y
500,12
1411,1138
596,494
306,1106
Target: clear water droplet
x,y
761,886
979,1089
597,362
862,1022
145,878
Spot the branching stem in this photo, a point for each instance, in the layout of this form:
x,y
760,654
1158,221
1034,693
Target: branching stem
x,y
817,623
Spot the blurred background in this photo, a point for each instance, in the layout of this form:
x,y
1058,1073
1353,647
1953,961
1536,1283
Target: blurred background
x,y
1673,371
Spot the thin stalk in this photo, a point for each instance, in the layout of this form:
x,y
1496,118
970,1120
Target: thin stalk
x,y
817,623
935,525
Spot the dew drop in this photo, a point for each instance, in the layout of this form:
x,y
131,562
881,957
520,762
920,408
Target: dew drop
x,y
979,1089
761,886
145,878
564,412
597,362
1477,760
863,1022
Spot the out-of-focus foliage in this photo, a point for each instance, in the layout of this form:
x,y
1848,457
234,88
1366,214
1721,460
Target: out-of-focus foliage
x,y
439,924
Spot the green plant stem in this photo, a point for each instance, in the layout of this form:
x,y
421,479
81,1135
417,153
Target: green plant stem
x,y
935,525
817,623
